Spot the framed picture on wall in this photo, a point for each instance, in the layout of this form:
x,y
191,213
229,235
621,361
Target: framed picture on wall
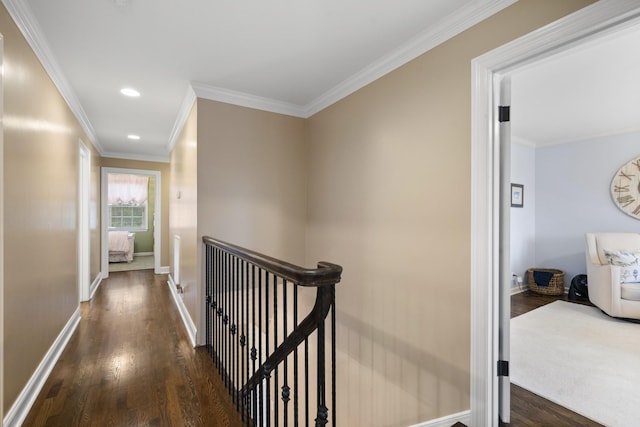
x,y
517,195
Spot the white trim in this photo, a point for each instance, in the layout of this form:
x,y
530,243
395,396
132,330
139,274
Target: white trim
x,y
161,158
157,226
142,253
448,420
184,313
461,20
28,25
1,224
454,24
95,285
203,90
165,269
181,119
84,246
20,409
597,20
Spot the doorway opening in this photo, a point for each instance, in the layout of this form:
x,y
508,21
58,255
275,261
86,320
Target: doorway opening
x,y
598,20
131,211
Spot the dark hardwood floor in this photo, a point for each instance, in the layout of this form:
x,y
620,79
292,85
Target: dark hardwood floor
x,y
529,409
130,363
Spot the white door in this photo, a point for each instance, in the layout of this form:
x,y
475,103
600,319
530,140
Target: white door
x,y
84,180
503,125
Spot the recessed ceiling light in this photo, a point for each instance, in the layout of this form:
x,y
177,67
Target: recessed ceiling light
x,y
136,137
127,91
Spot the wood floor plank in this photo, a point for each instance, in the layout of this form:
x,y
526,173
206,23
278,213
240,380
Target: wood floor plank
x,y
130,363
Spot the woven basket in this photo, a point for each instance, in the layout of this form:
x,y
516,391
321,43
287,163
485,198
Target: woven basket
x,y
556,284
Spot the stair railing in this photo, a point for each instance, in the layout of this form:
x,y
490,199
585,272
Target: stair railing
x,y
272,359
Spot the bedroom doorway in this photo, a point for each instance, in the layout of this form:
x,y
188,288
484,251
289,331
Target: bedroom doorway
x,y
598,20
131,203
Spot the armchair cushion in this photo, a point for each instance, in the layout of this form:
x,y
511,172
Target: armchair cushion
x,y
630,291
622,258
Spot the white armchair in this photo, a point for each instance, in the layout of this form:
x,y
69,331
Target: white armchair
x,y
613,273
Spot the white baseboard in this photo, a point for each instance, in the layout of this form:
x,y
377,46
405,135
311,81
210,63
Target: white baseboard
x,y
186,318
447,421
164,270
142,253
94,286
518,290
21,407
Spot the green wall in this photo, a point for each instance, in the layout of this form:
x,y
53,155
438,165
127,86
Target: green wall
x,y
144,239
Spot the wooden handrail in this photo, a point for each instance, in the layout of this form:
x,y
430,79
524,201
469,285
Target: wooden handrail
x,y
326,273
232,322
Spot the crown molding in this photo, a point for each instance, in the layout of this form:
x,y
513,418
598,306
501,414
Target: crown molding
x,y
141,157
459,21
213,93
23,17
181,119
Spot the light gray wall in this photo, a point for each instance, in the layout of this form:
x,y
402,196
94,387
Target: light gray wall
x,y
523,227
572,197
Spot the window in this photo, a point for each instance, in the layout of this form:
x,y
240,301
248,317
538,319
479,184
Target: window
x,y
127,207
128,217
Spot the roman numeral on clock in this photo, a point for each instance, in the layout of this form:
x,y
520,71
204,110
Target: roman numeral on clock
x,y
625,201
636,211
621,188
626,175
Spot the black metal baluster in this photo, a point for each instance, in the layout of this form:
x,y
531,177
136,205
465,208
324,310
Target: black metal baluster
x,y
207,280
322,416
225,320
242,338
306,381
285,386
254,350
247,411
261,386
218,309
334,406
267,370
295,357
275,345
234,331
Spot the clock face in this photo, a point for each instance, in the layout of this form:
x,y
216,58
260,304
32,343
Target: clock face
x,y
625,188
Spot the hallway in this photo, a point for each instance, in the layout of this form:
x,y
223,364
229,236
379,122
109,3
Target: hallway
x,y
130,363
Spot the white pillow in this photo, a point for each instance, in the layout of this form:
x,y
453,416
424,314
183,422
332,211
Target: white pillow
x,y
622,258
630,275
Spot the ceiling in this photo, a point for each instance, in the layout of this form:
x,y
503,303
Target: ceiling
x,y
590,91
289,56
294,57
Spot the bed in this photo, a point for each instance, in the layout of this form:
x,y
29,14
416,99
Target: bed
x,y
121,246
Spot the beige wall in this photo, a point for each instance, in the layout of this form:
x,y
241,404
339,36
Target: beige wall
x,y
379,183
40,172
389,200
252,179
184,210
164,169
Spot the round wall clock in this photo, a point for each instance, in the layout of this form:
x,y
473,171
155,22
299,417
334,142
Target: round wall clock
x,y
625,188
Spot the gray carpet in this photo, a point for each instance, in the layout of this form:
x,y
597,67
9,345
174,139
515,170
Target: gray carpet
x,y
138,263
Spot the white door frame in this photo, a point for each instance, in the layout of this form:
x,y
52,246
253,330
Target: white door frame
x,y
157,220
1,229
599,20
84,248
